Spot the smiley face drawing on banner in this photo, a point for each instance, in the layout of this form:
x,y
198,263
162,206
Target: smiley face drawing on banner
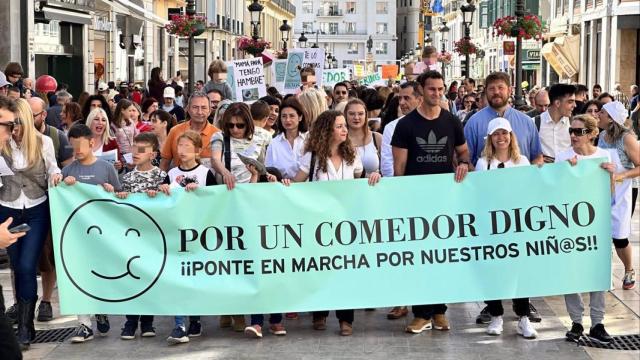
x,y
140,241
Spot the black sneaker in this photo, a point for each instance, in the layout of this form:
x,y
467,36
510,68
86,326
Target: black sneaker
x,y
147,330
12,313
195,329
533,314
575,333
102,324
599,334
178,336
129,331
45,312
82,334
484,317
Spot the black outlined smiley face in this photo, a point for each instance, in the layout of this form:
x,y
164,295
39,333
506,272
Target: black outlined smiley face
x,y
112,251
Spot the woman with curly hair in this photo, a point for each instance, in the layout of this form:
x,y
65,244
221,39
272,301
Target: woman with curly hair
x,y
329,155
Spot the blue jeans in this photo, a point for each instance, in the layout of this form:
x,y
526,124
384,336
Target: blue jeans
x,y
179,320
258,319
25,253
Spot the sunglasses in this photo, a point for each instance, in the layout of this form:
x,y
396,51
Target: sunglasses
x,y
11,125
239,126
579,131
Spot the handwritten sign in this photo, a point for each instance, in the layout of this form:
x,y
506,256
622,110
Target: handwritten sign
x,y
249,79
374,79
333,76
298,59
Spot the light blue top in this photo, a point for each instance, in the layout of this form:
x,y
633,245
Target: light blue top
x,y
523,126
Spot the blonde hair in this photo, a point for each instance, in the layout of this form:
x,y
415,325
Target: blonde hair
x,y
94,114
590,123
31,138
514,150
365,128
314,102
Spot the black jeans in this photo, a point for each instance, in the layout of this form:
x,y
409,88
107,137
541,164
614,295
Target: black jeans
x,y
9,348
427,311
144,319
342,315
521,307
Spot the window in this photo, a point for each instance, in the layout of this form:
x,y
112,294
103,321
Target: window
x,y
381,48
382,7
329,28
350,28
307,27
351,7
307,6
353,48
328,8
381,28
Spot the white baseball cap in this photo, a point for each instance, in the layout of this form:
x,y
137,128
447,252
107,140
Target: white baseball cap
x,y
498,123
616,110
102,86
169,92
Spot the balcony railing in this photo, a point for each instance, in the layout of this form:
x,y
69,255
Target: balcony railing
x,y
311,34
330,12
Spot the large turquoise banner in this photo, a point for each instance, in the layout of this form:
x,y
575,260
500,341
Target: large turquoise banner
x,y
267,248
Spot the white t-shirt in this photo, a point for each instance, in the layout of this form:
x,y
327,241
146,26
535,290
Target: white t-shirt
x,y
343,172
481,165
570,154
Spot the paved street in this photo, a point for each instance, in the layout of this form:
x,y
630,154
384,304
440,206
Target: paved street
x,y
374,337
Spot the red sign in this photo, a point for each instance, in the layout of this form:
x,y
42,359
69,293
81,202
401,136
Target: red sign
x,y
509,48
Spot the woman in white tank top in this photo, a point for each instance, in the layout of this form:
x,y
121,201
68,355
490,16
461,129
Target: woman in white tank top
x,y
366,143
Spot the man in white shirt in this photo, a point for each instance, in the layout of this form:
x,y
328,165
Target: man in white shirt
x,y
553,124
410,96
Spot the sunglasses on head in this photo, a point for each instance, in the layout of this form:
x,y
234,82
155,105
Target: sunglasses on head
x,y
579,131
238,126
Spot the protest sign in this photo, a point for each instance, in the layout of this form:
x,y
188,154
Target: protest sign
x,y
110,156
373,79
267,248
334,76
389,71
279,69
248,77
298,59
358,70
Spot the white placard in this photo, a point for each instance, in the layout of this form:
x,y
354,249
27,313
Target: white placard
x,y
333,76
248,76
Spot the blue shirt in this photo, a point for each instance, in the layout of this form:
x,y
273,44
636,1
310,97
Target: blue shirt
x,y
523,126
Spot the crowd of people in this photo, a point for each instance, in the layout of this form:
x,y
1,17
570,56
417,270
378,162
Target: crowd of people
x,y
154,139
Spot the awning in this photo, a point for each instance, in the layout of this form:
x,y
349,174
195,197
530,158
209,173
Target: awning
x,y
51,13
267,58
562,54
143,13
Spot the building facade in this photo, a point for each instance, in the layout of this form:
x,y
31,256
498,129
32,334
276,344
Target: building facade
x,y
342,28
408,27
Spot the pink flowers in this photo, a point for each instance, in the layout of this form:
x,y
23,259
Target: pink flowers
x,y
253,47
444,57
465,47
529,27
185,25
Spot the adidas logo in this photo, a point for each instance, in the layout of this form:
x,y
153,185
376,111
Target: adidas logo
x,y
432,145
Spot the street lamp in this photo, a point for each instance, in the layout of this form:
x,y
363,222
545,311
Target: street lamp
x,y
255,9
519,100
302,41
443,41
284,30
191,11
467,21
315,46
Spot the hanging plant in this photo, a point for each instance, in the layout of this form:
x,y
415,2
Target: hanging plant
x,y
282,54
527,27
465,47
444,57
185,25
253,47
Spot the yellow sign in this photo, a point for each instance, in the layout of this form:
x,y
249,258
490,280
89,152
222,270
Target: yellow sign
x,y
358,70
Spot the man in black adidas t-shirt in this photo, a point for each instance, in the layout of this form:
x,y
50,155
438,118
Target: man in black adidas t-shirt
x,y
424,143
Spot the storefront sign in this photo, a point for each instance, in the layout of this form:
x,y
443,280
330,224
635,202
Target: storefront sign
x,y
267,248
102,24
83,5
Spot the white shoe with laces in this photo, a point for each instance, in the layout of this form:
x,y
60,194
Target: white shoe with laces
x,y
526,329
495,326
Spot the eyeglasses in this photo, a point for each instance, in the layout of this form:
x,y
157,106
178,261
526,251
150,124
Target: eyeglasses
x,y
18,121
40,113
11,125
239,126
579,131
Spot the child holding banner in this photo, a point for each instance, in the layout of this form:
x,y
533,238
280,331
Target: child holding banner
x,y
329,155
501,151
88,169
145,178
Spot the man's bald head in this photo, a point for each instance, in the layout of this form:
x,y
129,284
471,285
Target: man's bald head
x,y
38,107
542,101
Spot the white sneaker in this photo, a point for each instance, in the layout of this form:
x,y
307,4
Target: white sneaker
x,y
526,329
495,326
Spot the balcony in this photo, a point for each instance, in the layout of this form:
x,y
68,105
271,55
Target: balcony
x,y
311,34
330,13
